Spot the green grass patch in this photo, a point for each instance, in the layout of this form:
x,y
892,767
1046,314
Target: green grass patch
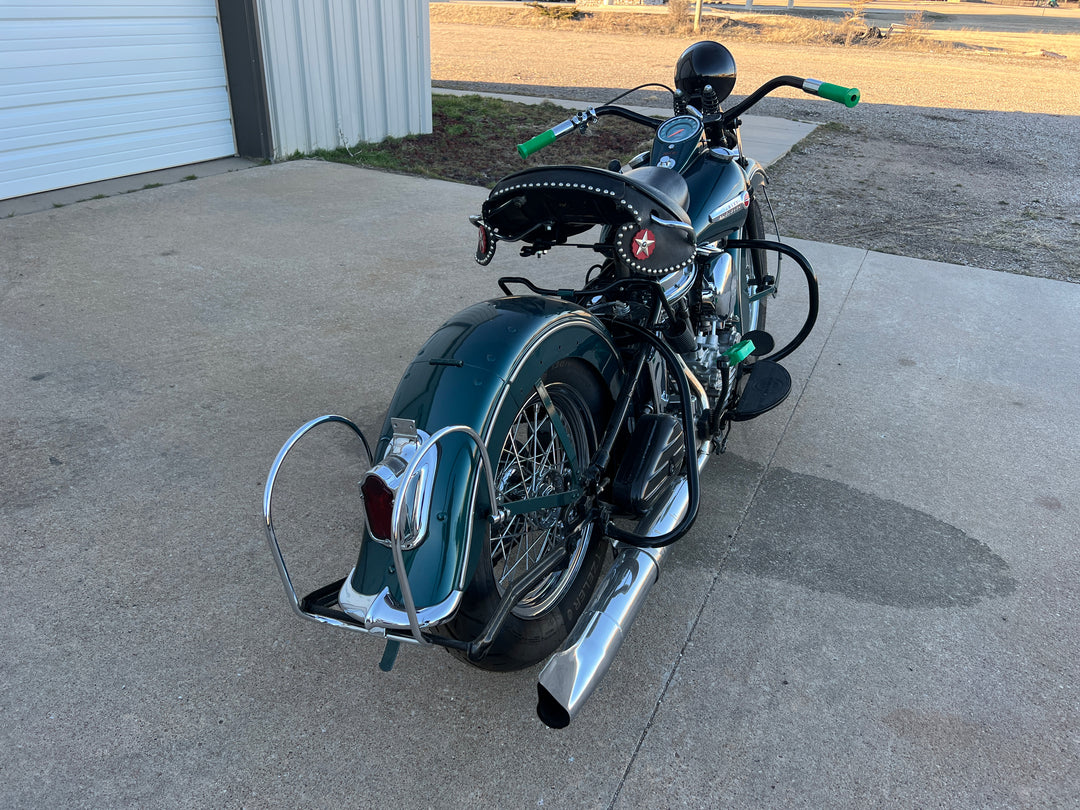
x,y
474,140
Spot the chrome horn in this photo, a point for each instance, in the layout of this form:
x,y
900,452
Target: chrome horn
x,y
574,671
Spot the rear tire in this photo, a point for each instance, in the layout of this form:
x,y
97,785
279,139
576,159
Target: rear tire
x,y
531,463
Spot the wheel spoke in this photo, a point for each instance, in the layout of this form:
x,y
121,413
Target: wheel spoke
x,y
517,462
532,464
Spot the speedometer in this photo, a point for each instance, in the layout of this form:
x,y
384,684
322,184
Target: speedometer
x,y
678,129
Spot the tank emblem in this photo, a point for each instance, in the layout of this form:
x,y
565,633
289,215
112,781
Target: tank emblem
x,y
730,207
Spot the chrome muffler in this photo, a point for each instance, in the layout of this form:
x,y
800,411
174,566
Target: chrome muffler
x,y
573,672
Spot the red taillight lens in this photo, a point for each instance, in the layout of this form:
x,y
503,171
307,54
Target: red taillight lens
x,y
379,506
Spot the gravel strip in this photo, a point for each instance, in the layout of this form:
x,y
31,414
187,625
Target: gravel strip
x,y
987,189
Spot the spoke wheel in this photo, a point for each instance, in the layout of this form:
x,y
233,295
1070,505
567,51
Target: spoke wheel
x,y
534,462
756,266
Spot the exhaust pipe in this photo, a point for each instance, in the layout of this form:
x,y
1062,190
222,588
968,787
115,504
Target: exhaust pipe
x,y
574,671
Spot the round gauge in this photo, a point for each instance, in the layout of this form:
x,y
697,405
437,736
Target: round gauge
x,y
678,129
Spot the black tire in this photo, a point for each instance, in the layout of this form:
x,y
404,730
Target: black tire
x,y
758,257
543,619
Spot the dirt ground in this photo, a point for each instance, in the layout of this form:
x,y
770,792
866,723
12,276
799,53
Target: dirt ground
x,y
968,157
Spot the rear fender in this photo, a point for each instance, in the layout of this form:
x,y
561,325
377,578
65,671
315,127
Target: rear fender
x,y
488,355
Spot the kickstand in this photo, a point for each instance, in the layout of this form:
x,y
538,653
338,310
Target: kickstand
x,y
389,655
723,440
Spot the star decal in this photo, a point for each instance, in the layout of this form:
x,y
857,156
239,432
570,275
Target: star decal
x,y
643,243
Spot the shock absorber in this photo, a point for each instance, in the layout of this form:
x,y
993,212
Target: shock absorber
x,y
679,103
710,102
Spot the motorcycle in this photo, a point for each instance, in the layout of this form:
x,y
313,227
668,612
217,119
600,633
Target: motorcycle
x,y
537,430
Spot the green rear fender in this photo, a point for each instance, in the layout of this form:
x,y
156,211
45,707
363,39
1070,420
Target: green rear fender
x,y
492,353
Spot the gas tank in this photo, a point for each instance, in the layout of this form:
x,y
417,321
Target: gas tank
x,y
719,196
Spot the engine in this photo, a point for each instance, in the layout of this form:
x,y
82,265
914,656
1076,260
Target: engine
x,y
716,327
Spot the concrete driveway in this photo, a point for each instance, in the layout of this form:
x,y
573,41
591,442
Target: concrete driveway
x,y
877,606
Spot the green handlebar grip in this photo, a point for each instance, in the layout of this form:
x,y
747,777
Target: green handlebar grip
x,y
534,145
848,96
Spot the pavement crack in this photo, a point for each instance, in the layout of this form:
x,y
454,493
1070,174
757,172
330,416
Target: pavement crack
x,y
735,533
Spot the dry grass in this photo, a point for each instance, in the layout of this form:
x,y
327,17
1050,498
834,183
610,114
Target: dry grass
x,y
852,30
1066,46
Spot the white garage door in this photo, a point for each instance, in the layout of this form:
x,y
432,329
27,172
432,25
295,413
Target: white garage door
x,y
93,89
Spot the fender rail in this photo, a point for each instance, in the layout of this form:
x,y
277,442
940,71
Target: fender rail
x,y
314,605
318,605
397,520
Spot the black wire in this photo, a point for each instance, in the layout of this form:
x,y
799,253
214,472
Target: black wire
x,y
776,230
642,87
772,212
692,484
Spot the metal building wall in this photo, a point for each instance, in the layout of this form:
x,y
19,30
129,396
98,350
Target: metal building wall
x,y
343,71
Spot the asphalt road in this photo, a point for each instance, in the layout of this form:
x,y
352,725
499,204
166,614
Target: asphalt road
x,y
938,15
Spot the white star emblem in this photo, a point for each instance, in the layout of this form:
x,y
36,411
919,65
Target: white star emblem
x,y
643,244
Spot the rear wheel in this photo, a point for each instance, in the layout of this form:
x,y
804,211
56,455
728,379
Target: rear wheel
x,y
533,463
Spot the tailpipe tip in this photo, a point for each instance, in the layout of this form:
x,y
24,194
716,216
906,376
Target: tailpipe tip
x,y
551,713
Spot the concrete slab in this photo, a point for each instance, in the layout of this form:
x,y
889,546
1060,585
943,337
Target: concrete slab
x,y
895,622
876,605
119,185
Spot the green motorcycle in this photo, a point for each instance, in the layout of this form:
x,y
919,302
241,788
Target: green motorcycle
x,y
535,431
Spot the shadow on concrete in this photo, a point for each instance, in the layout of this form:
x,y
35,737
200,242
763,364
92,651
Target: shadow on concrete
x,y
832,538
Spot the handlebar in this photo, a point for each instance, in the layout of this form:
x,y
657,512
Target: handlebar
x,y
848,96
537,142
581,121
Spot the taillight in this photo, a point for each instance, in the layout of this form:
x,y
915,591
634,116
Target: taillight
x,y
385,483
379,506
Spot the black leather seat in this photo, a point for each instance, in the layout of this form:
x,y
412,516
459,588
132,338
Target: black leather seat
x,y
645,209
551,203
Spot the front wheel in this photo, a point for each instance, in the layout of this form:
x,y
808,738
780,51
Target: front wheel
x,y
756,268
534,462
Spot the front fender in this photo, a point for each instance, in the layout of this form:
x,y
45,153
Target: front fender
x,y
490,354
